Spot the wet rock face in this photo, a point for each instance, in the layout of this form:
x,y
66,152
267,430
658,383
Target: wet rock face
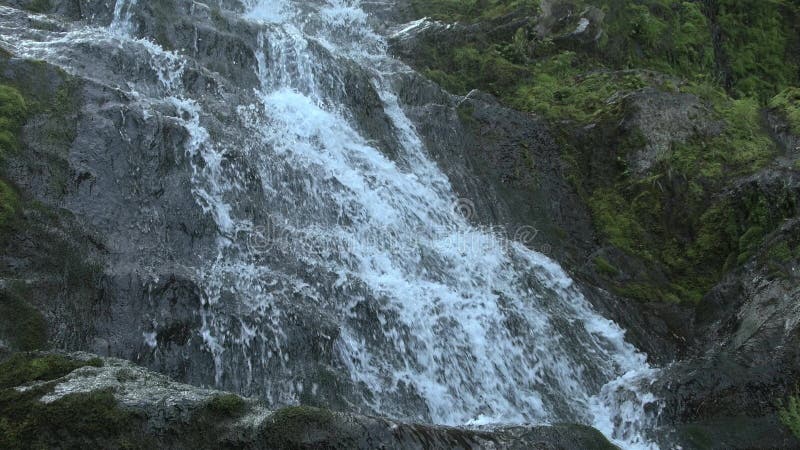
x,y
135,407
511,170
119,177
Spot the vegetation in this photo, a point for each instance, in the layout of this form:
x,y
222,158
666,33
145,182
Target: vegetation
x,y
23,325
52,98
13,112
22,368
673,218
9,204
605,267
84,420
790,415
787,103
17,103
759,39
227,405
88,420
287,427
559,89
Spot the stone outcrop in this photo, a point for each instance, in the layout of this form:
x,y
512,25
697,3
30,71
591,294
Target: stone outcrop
x,y
79,400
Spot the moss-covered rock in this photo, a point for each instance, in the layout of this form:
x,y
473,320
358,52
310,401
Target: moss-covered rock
x,y
296,427
13,112
226,405
46,268
23,368
76,401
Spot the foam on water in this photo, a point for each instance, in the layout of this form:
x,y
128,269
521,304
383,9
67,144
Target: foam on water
x,y
275,11
477,329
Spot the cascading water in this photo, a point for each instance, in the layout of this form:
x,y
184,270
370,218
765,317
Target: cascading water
x,y
431,318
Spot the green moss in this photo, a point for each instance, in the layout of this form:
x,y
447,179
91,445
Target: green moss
x,y
9,205
21,325
605,267
669,36
650,291
790,415
756,55
290,427
560,89
13,113
787,103
781,252
619,224
759,42
24,368
734,55
743,147
84,420
673,219
227,405
468,67
748,242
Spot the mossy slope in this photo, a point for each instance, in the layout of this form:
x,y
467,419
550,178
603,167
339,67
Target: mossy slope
x,y
678,218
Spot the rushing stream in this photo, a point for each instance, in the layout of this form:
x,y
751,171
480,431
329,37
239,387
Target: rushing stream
x,y
431,318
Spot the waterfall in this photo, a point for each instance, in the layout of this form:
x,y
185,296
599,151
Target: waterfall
x,y
427,317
